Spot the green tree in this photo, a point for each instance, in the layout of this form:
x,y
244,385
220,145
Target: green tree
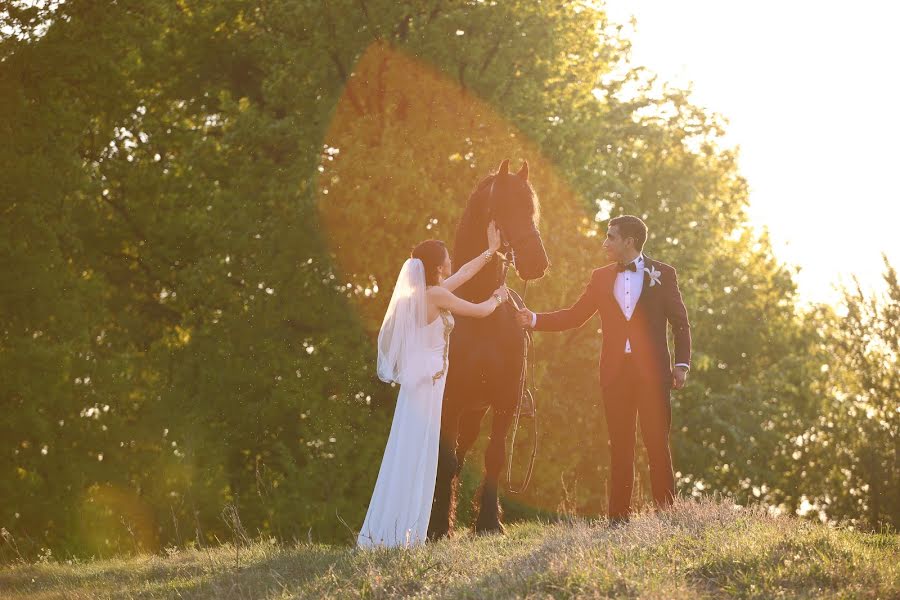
x,y
852,448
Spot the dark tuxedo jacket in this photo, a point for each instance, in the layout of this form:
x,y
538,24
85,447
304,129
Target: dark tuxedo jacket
x,y
657,305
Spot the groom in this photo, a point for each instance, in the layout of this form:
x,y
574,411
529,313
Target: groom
x,y
635,297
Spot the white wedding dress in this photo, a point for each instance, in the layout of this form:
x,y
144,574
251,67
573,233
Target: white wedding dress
x,y
414,354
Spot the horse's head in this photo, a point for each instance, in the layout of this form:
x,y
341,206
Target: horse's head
x,y
513,205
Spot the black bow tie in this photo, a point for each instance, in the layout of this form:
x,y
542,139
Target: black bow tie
x,y
629,267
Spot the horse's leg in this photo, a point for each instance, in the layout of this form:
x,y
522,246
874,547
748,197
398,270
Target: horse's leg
x,y
469,428
443,508
489,503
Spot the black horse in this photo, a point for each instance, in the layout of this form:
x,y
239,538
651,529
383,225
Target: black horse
x,y
486,355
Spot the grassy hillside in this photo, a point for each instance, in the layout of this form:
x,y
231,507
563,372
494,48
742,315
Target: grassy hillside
x,y
699,550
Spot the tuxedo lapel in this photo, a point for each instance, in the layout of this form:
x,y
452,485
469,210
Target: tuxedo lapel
x,y
610,289
645,288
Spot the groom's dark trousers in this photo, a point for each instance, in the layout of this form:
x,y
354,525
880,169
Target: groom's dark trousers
x,y
631,394
636,386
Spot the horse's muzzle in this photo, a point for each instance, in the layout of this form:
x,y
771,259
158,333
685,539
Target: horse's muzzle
x,y
531,257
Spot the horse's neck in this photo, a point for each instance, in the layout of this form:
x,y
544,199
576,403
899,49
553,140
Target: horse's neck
x,y
480,287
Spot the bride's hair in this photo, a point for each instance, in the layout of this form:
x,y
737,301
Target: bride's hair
x,y
431,253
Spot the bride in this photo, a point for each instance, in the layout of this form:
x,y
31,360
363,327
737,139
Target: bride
x,y
412,351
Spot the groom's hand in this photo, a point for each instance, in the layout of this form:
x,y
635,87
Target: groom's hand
x,y
679,377
523,318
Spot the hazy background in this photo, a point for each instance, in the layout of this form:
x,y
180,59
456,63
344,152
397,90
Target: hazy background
x,y
810,91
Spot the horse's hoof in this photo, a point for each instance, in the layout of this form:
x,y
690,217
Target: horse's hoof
x,y
489,529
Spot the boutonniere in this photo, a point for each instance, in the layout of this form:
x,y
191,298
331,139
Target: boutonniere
x,y
654,275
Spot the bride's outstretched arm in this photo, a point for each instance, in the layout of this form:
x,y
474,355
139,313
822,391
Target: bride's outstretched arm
x,y
444,298
468,270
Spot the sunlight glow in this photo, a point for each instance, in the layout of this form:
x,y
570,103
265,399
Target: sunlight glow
x,y
809,90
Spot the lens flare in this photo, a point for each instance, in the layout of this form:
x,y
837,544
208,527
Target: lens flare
x,y
406,146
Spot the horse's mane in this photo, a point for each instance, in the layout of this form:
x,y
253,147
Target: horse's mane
x,y
471,240
472,225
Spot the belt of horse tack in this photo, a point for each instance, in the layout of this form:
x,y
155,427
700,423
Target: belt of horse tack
x,y
526,404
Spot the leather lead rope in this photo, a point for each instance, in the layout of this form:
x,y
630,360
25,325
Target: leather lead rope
x,y
525,395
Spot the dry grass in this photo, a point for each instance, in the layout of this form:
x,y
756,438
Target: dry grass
x,y
699,550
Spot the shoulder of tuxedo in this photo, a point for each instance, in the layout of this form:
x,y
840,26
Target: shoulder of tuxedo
x,y
656,262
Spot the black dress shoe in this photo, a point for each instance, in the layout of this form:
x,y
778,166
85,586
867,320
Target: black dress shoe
x,y
618,521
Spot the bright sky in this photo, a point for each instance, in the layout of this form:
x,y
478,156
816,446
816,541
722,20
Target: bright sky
x,y
811,93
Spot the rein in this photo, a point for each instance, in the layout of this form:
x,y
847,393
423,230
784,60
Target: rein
x,y
526,405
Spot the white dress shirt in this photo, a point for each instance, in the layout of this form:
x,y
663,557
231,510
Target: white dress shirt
x,y
627,291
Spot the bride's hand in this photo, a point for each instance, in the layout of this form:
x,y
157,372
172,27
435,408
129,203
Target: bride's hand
x,y
493,235
502,292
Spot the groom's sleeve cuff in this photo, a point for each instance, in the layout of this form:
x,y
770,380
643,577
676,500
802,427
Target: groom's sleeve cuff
x,y
533,320
685,365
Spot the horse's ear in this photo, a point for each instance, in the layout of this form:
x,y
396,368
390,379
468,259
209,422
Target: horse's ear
x,y
504,168
523,172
